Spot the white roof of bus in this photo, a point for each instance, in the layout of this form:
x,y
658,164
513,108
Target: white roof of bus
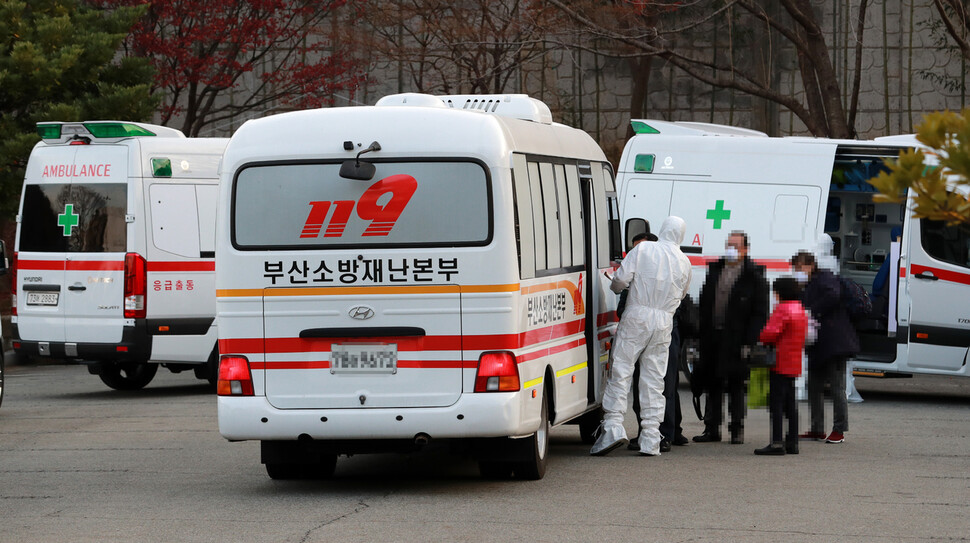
x,y
424,126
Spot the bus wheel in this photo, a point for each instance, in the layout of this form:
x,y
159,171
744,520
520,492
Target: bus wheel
x,y
536,451
588,424
128,375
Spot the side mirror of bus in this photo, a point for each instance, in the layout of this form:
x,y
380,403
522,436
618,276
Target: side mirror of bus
x,y
353,169
635,227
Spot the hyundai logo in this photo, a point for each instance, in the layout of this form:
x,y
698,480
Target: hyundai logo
x,y
361,312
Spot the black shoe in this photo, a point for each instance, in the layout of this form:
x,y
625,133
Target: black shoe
x,y
774,449
737,437
791,448
707,437
664,445
634,444
680,440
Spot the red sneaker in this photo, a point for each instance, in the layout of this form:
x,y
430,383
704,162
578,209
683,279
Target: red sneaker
x,y
835,437
816,436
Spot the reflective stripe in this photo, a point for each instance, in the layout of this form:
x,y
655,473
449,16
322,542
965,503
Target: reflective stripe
x,y
571,369
532,383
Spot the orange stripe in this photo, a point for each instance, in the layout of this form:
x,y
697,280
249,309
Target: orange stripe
x,y
380,289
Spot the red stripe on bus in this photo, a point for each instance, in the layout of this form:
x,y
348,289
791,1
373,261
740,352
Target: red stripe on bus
x,y
606,318
945,275
189,266
769,263
71,265
550,351
325,364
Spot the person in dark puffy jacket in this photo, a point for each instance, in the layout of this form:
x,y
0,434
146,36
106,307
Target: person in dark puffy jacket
x,y
785,330
836,342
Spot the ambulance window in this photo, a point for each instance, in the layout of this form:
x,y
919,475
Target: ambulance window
x,y
414,203
74,217
575,214
524,233
950,244
538,216
833,214
565,221
788,222
616,243
207,198
549,205
175,219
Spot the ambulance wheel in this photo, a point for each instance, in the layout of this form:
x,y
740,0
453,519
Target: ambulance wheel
x,y
128,375
536,450
210,370
588,424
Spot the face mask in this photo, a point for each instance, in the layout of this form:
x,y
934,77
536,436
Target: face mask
x,y
731,253
801,277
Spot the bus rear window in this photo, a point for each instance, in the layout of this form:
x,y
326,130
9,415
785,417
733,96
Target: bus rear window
x,y
405,204
74,218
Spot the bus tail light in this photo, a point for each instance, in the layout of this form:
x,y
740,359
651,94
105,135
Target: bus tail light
x,y
234,377
497,372
136,286
13,285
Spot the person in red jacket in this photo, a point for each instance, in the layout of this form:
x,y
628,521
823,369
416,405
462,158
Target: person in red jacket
x,y
785,330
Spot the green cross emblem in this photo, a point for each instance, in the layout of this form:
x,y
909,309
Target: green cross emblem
x,y
718,214
68,220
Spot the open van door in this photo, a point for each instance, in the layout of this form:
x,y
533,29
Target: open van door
x,y
939,277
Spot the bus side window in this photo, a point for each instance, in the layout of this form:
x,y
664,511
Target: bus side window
x,y
601,218
538,216
575,214
565,217
524,229
550,206
616,242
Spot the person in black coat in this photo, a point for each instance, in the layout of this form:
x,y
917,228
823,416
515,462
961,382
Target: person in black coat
x,y
733,310
835,343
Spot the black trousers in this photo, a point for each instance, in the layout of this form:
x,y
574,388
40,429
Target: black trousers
x,y
782,404
726,379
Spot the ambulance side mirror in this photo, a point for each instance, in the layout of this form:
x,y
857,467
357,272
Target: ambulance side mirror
x,y
635,227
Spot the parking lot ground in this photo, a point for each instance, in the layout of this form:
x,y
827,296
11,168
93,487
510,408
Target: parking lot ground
x,y
81,462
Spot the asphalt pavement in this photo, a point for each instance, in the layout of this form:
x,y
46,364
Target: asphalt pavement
x,y
80,462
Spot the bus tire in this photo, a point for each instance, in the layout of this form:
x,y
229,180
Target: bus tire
x,y
210,370
536,452
588,424
128,375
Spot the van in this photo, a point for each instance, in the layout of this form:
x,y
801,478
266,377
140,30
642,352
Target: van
x,y
114,263
785,193
426,270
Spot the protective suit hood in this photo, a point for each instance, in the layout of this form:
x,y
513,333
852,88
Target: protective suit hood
x,y
673,230
823,254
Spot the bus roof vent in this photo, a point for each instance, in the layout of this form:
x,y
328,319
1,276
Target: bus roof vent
x,y
684,128
516,106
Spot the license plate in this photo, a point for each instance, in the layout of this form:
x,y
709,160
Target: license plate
x,y
42,298
363,358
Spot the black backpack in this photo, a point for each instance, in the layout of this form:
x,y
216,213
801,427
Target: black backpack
x,y
855,299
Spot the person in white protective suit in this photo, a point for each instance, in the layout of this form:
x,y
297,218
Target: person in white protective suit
x,y
826,260
658,275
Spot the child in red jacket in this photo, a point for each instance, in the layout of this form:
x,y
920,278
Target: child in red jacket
x,y
785,330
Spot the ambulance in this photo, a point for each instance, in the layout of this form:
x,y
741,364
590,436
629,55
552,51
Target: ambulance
x,y
425,270
114,262
784,193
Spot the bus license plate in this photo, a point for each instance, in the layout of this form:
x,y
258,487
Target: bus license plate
x,y
363,358
42,298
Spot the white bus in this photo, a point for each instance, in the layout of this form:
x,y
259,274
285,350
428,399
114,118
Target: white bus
x,y
786,192
115,251
426,269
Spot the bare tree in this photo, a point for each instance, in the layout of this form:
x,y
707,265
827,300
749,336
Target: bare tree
x,y
819,103
955,16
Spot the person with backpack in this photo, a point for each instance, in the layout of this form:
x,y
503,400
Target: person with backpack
x,y
836,342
